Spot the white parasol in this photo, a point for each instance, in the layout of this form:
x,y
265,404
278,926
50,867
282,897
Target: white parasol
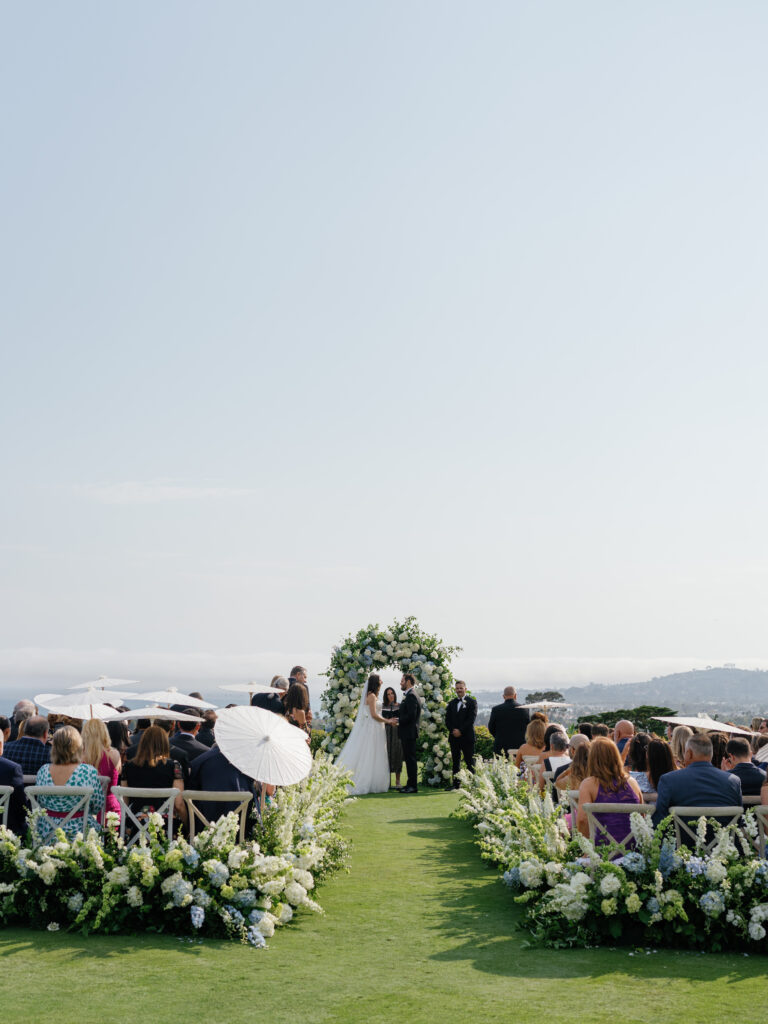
x,y
264,746
249,688
153,713
73,706
174,696
703,722
102,683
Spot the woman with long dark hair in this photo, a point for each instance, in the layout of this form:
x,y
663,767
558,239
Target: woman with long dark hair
x,y
389,709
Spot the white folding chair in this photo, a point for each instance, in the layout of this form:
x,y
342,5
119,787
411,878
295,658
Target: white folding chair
x,y
573,807
79,809
761,813
5,800
160,800
751,801
30,780
684,817
239,800
512,753
597,828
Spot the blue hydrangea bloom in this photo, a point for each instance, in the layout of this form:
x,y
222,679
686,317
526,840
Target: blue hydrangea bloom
x,y
512,877
653,905
696,866
198,916
633,862
668,859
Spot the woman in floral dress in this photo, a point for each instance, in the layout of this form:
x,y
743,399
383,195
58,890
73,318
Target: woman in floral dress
x,y
66,769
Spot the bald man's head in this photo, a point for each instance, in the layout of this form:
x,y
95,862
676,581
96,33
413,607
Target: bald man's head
x,y
624,728
510,693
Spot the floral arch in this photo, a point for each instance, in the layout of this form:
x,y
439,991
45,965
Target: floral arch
x,y
406,647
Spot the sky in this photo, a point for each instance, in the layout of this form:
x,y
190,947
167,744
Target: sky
x,y
317,315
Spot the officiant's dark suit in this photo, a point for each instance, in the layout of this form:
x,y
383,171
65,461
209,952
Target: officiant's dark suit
x,y
507,725
408,717
461,714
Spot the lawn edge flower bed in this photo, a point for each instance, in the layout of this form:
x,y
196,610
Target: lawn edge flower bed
x,y
212,886
573,894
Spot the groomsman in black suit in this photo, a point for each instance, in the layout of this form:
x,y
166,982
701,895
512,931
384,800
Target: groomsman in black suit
x,y
460,718
408,717
508,723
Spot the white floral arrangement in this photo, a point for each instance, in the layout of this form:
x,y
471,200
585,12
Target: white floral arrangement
x,y
575,893
212,885
407,648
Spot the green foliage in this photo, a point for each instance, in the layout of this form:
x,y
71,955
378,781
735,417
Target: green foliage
x,y
538,695
642,717
316,740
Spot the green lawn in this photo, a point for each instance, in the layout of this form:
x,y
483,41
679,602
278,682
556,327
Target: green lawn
x,y
419,931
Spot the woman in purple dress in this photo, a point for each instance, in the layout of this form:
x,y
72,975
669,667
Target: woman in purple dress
x,y
607,782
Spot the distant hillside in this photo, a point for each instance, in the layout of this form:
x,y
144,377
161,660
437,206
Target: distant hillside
x,y
702,690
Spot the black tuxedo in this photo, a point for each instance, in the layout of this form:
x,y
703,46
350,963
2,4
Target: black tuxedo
x,y
461,715
507,725
269,701
408,717
184,749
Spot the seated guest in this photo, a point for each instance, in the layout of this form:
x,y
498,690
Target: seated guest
x,y
738,761
660,761
698,784
214,773
22,710
637,762
186,747
205,734
153,768
622,734
600,729
508,722
550,732
534,741
680,736
119,738
272,701
12,775
31,751
571,776
98,751
141,725
67,769
559,756
608,782
719,741
585,728
5,728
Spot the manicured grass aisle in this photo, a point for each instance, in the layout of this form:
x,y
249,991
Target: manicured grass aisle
x,y
420,931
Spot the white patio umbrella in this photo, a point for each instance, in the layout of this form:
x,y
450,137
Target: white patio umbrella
x,y
263,745
154,713
249,688
91,696
102,683
702,722
174,696
73,706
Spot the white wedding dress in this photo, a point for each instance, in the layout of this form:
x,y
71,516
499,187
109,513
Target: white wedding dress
x,y
365,753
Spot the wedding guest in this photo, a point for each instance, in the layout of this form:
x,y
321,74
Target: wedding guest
x,y
5,728
559,756
585,728
66,768
737,761
600,729
12,775
299,675
296,707
141,726
608,782
31,750
719,741
534,741
660,761
460,718
389,709
213,772
680,736
549,733
623,732
572,775
273,702
637,761
22,710
205,734
698,784
99,752
153,768
508,722
119,737
186,746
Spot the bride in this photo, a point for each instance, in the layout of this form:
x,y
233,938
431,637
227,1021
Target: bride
x,y
365,752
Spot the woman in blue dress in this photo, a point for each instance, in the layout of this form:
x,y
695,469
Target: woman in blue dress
x,y
66,769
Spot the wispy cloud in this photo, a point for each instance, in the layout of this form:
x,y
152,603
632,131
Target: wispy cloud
x,y
152,492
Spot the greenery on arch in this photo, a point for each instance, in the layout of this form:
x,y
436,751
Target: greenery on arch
x,y
406,647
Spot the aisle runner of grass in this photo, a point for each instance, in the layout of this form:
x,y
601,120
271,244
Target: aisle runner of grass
x,y
420,931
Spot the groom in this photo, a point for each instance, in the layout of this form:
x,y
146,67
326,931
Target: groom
x,y
408,717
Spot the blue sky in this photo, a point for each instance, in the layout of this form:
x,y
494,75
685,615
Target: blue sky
x,y
328,314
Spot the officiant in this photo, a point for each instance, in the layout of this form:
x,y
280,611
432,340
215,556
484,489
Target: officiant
x,y
460,718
